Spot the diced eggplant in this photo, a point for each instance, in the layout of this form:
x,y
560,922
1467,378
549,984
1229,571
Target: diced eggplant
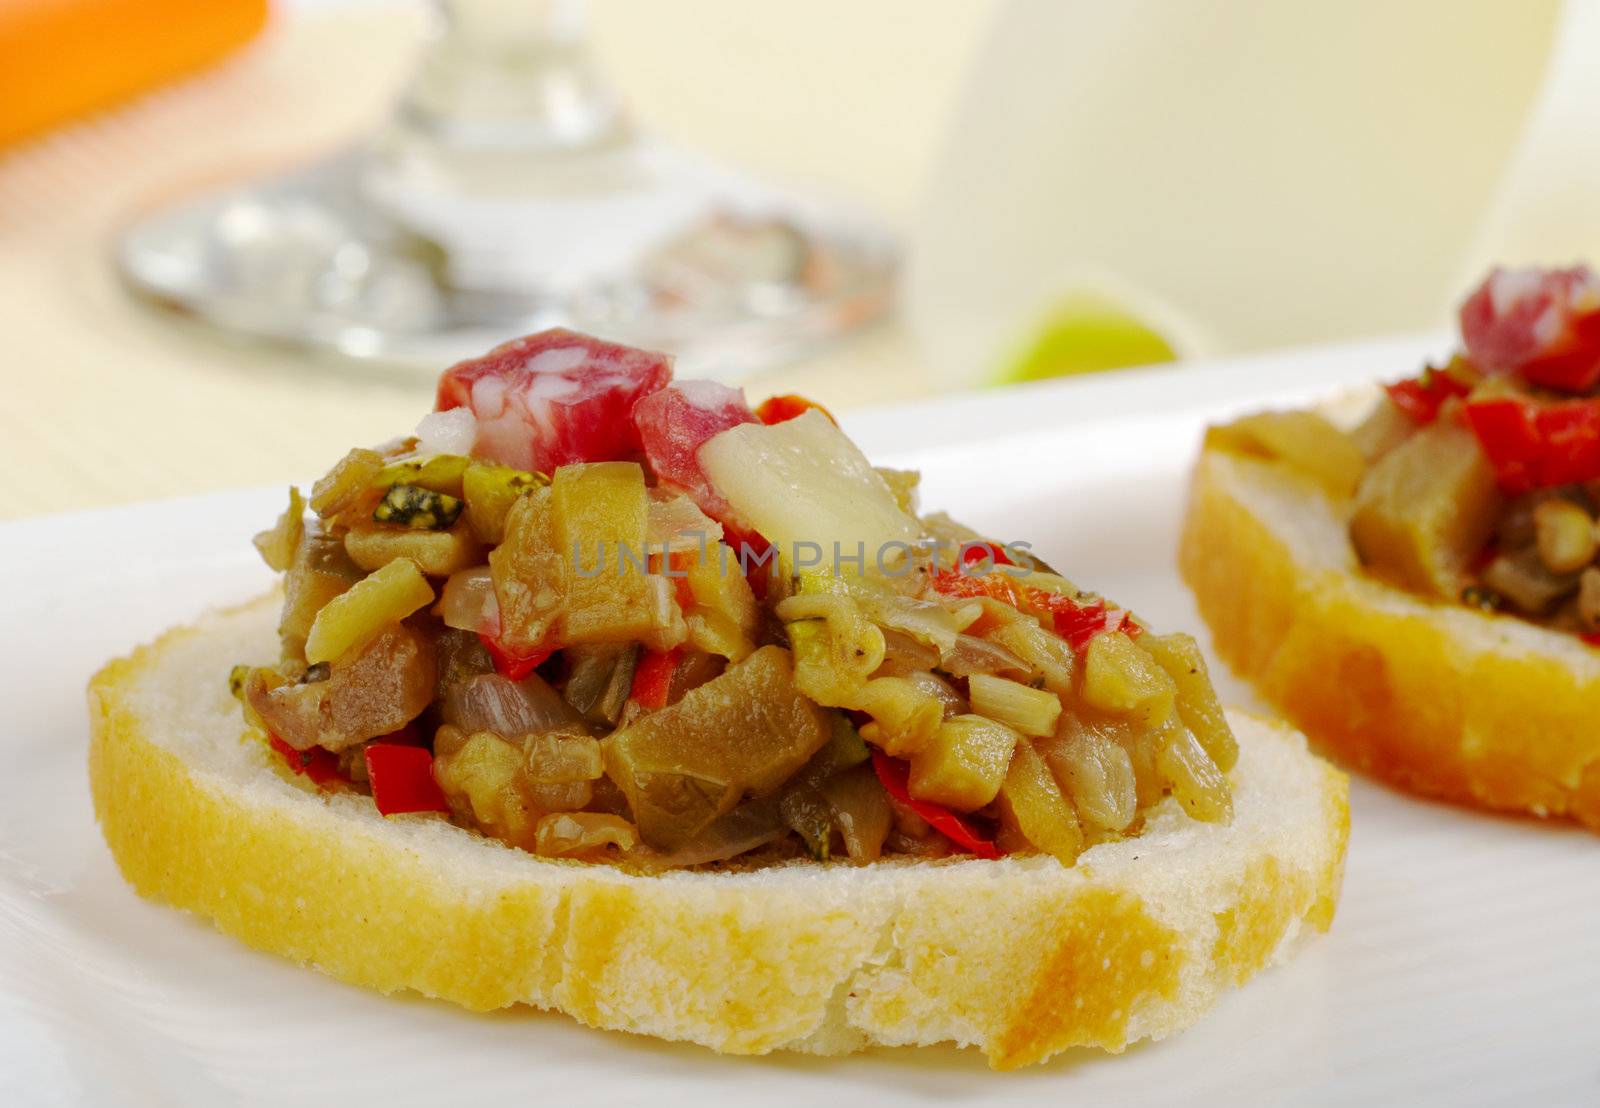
x,y
681,768
1425,510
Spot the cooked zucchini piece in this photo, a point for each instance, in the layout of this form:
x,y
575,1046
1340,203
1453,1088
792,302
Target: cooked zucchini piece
x,y
436,553
490,490
1032,803
528,572
347,483
321,570
860,810
357,616
1118,677
441,472
599,514
1197,701
676,766
278,545
965,764
1028,710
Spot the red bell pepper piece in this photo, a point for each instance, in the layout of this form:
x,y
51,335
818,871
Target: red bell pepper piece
x,y
511,664
1591,637
1533,445
1422,397
781,409
321,766
402,779
977,552
652,680
1075,622
895,775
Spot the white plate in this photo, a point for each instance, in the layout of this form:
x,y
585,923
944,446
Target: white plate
x,y
1464,966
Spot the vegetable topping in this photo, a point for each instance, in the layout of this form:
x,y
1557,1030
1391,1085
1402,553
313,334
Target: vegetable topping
x,y
604,617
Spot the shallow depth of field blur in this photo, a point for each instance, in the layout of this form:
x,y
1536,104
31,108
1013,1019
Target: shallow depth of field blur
x,y
1070,187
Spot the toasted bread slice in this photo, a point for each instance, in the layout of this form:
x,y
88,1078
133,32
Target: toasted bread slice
x,y
1436,697
1021,957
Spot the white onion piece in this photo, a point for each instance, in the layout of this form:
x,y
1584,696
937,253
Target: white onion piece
x,y
752,824
941,690
511,709
974,655
468,602
451,432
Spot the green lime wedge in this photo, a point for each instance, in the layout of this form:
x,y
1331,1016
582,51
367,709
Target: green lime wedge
x,y
1086,333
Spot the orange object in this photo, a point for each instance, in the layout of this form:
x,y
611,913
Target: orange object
x,y
61,59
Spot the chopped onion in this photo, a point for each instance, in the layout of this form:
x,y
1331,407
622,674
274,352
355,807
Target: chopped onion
x,y
677,524
468,602
752,824
511,709
974,655
451,432
941,690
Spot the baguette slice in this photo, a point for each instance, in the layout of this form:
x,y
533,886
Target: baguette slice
x,y
1438,698
1021,957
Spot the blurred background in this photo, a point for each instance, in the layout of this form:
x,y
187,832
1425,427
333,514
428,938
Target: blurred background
x,y
238,236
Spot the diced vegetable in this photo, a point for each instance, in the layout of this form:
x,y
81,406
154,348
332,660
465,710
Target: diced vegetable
x,y
676,766
1053,659
600,676
347,484
511,709
318,765
599,514
1032,803
1094,771
1565,535
1302,440
278,545
652,679
441,473
436,553
965,763
489,491
1425,509
1421,398
402,779
1194,778
482,779
809,490
563,757
1535,445
723,614
415,506
894,774
1028,710
1198,705
554,398
321,571
781,409
806,811
529,575
357,616
580,834
1523,579
514,663
1121,678
366,693
860,810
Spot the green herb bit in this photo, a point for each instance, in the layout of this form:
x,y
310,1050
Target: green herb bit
x,y
415,506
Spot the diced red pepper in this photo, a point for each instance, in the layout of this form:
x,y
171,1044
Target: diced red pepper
x,y
1533,445
513,665
321,766
1591,637
1422,397
652,679
402,779
1075,622
781,409
976,552
895,776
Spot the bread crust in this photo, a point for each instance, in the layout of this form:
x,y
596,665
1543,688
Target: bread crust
x,y
1021,957
1478,708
